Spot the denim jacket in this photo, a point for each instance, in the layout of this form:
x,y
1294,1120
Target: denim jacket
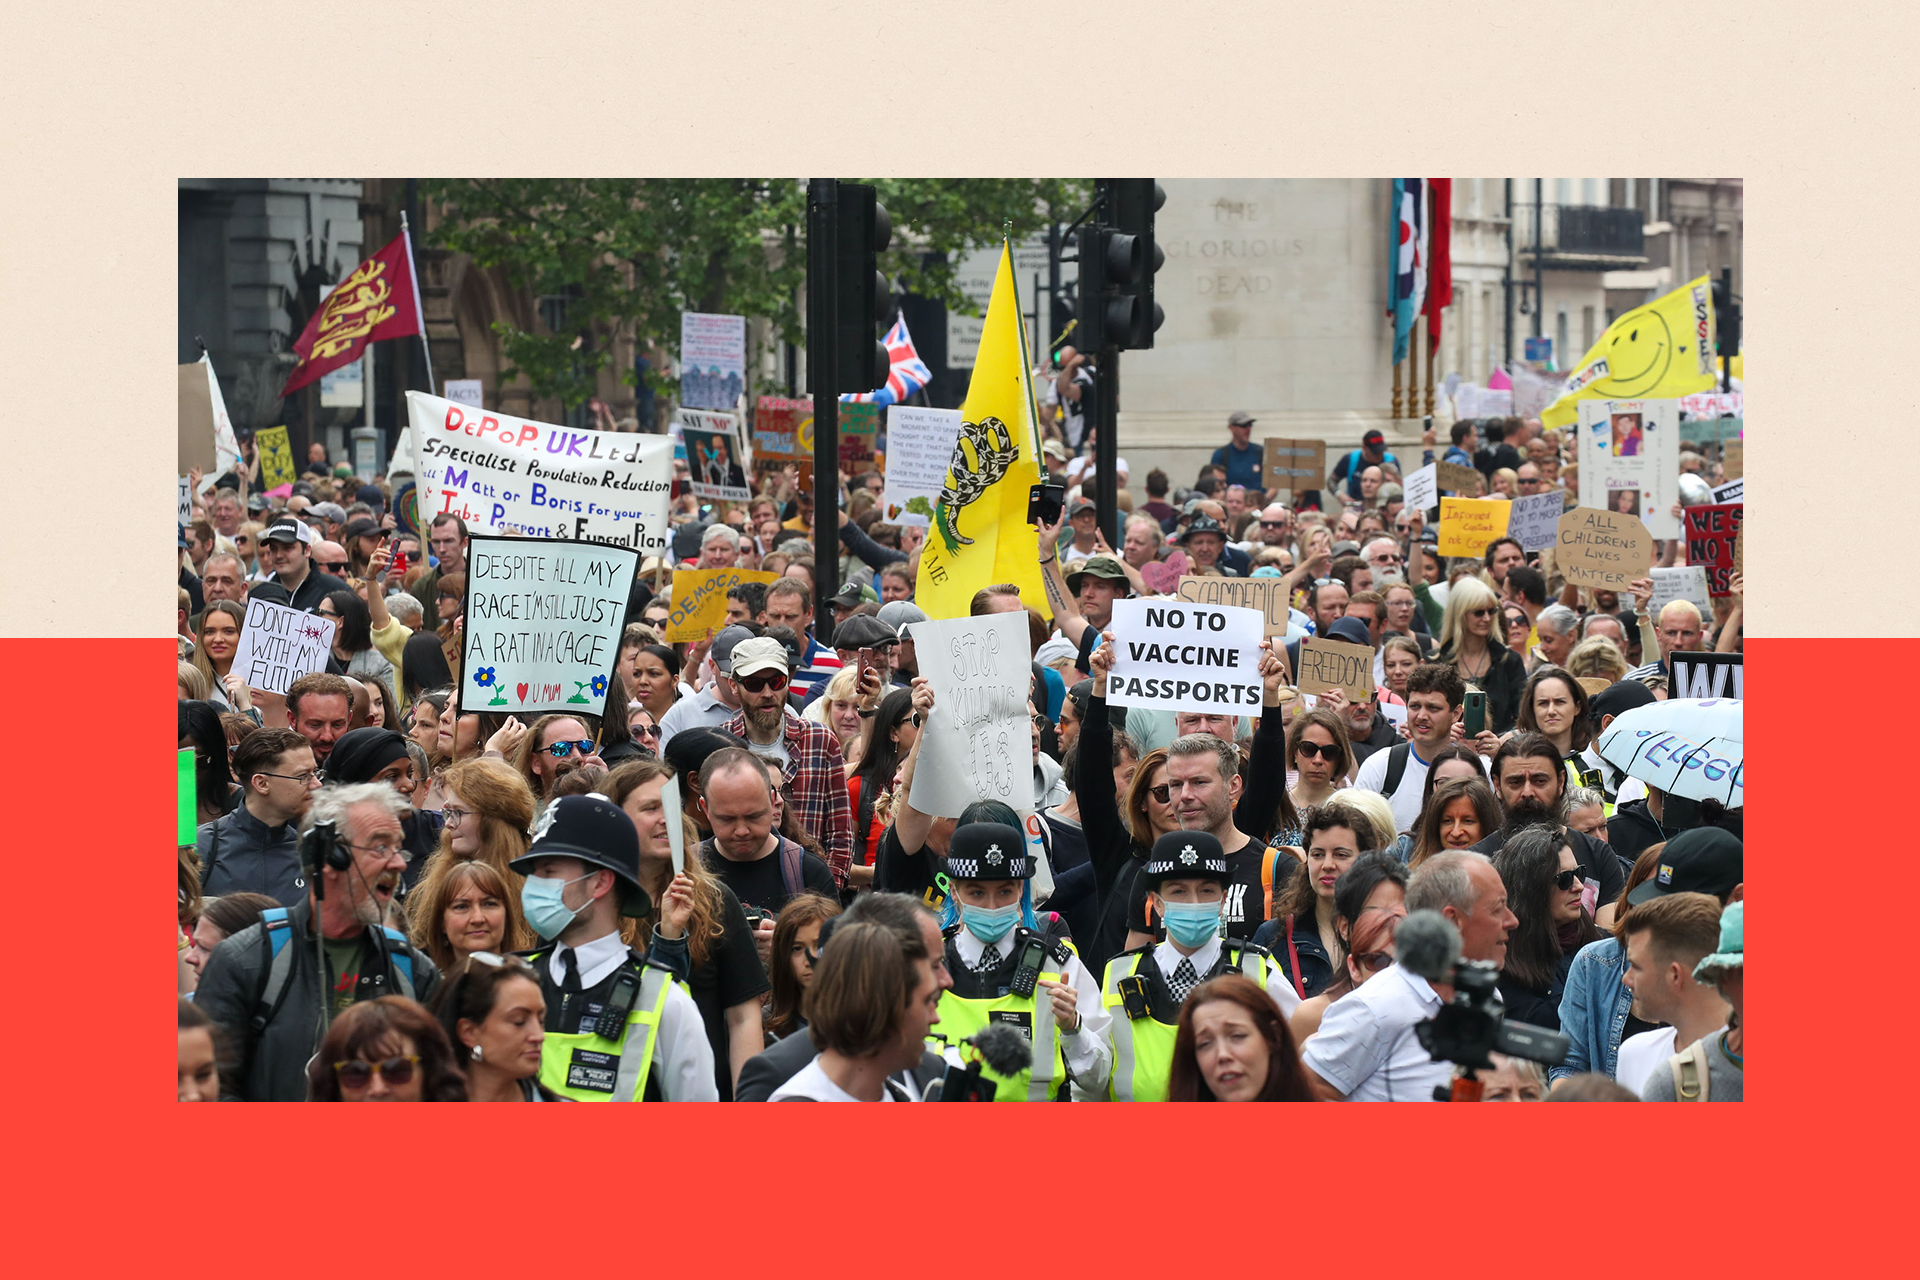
x,y
1593,1011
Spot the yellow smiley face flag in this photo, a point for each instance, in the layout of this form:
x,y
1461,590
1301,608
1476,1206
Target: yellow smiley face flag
x,y
980,535
1659,351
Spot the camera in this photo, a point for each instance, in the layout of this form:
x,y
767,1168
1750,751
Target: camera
x,y
1472,1026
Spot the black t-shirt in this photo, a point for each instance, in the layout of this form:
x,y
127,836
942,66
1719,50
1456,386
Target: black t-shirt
x,y
1488,461
922,873
760,884
1245,907
730,974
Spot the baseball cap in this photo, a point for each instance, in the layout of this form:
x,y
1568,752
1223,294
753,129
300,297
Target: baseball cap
x,y
1240,418
1079,506
371,495
1698,860
901,614
688,749
360,527
756,653
1351,630
287,529
1617,699
331,510
723,642
1373,437
848,596
343,472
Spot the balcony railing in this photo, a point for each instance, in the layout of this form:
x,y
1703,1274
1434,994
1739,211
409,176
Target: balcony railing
x,y
1604,235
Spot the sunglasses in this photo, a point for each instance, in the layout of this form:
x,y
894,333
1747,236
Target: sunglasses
x,y
1373,961
1481,613
1329,751
332,566
358,1074
646,731
1566,880
1163,793
562,749
760,682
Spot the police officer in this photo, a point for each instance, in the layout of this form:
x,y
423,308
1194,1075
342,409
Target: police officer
x,y
1186,878
619,1029
1009,969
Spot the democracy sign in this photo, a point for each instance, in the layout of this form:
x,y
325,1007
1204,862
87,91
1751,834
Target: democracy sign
x,y
1268,596
977,743
1534,521
919,452
1173,656
716,464
700,600
1706,675
1629,455
783,437
1326,665
1711,533
1468,525
542,623
278,645
1605,549
493,469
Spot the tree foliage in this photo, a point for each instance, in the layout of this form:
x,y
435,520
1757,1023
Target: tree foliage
x,y
628,255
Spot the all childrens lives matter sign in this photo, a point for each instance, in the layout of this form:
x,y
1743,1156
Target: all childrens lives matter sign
x,y
1172,656
543,622
278,645
977,743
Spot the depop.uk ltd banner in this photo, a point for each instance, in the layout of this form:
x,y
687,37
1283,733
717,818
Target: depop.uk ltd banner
x,y
494,470
543,623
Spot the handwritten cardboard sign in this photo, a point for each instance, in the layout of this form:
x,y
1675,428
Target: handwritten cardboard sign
x,y
1452,477
1294,466
1267,596
1326,665
1172,656
700,600
1712,532
276,457
1422,488
1534,521
1684,582
1468,525
543,622
278,645
977,743
1606,549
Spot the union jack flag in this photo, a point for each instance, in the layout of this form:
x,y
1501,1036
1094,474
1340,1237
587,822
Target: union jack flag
x,y
908,374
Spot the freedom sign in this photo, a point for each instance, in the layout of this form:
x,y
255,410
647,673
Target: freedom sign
x,y
543,623
278,645
1172,656
494,470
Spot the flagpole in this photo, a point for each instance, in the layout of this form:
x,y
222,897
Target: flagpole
x,y
413,269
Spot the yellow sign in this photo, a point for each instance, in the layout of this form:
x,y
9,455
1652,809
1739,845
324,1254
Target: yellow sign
x,y
1468,525
276,457
700,600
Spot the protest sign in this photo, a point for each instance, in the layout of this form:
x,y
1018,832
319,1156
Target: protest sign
x,y
1454,478
1629,456
783,437
1171,656
465,391
278,645
186,499
1604,549
713,360
1706,675
919,452
714,455
977,744
1326,665
196,420
1294,466
1266,596
1711,534
1534,521
700,600
1686,582
1731,491
1467,525
186,797
543,623
493,469
859,427
1422,488
276,457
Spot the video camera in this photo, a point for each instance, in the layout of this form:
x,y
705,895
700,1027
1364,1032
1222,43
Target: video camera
x,y
1472,1026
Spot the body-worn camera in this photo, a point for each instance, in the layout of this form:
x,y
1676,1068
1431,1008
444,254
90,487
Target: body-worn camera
x,y
1472,1026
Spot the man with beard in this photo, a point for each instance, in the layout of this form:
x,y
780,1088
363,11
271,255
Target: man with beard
x,y
1530,779
555,746
806,755
320,709
262,985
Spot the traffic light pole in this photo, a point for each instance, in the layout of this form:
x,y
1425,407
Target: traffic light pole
x,y
822,366
1106,448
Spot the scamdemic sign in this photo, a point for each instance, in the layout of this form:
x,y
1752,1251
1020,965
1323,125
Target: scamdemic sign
x,y
1186,657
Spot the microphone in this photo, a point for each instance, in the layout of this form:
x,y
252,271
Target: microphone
x,y
997,1046
1427,944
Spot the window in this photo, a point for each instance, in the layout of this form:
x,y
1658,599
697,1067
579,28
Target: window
x,y
1563,190
1586,328
1590,191
1633,201
1560,341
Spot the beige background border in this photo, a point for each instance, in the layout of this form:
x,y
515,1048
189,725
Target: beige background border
x,y
101,121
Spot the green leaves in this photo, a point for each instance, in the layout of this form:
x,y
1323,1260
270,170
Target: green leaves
x,y
625,256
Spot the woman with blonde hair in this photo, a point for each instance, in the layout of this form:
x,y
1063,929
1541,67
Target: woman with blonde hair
x,y
1597,658
1470,641
838,708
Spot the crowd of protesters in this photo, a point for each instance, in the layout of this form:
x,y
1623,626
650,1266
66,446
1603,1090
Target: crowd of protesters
x,y
390,899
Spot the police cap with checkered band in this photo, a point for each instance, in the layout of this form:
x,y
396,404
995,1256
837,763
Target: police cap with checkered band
x,y
1185,855
988,851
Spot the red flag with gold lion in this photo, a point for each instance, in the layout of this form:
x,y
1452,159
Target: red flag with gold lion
x,y
380,299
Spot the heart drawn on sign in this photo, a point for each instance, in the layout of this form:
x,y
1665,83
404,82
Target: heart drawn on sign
x,y
521,689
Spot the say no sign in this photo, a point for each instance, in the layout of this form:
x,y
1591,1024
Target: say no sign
x,y
1172,656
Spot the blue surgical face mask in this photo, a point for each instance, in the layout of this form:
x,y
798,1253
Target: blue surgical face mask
x,y
989,924
540,901
1189,923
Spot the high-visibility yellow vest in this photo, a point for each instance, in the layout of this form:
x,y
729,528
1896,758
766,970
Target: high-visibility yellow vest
x,y
1143,1046
962,1016
587,1067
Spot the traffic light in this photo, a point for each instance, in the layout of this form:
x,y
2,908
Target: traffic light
x,y
1118,257
863,302
1726,316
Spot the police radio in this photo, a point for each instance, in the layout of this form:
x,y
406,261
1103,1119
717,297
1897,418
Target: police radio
x,y
1032,958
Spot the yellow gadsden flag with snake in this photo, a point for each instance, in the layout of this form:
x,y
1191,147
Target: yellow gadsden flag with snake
x,y
1661,351
980,535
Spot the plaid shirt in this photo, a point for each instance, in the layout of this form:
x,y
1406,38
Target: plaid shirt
x,y
814,783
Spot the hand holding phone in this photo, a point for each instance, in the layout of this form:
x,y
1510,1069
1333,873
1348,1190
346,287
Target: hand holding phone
x,y
1476,712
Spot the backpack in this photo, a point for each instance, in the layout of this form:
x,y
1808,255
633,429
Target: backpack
x,y
1396,768
790,854
278,927
1690,1076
